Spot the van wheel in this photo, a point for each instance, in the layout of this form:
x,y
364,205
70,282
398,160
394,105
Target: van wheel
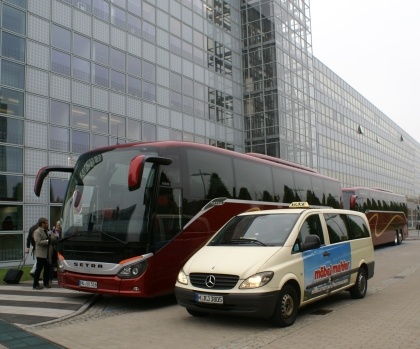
x,y
400,238
360,287
395,242
287,307
196,313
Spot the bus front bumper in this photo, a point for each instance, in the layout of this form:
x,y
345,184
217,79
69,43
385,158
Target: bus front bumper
x,y
259,305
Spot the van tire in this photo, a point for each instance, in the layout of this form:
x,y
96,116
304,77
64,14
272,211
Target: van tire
x,y
287,307
359,289
196,313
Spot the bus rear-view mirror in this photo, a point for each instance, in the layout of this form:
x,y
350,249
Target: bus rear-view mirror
x,y
43,172
135,172
353,202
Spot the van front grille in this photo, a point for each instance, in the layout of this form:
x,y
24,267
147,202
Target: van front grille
x,y
214,281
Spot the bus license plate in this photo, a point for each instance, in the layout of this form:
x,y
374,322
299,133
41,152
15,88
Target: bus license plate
x,y
89,284
206,298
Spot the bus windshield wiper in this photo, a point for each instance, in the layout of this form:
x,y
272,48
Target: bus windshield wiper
x,y
111,236
244,240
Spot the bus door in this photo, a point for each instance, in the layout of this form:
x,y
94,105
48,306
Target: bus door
x,y
168,252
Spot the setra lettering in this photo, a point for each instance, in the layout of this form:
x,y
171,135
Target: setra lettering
x,y
88,265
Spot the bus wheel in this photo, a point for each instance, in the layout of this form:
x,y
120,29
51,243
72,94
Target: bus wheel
x,y
400,238
395,242
287,307
360,287
196,313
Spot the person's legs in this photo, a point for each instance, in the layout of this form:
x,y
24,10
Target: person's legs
x,y
32,272
39,265
46,274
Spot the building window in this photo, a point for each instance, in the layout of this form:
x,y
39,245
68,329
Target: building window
x,y
19,3
134,25
11,188
61,38
149,133
175,81
11,247
80,142
101,9
81,117
118,17
134,86
117,81
81,46
14,20
175,44
11,102
100,75
99,122
12,74
59,139
84,5
187,50
117,126
187,33
176,135
149,91
149,12
187,86
134,66
11,130
81,69
117,59
176,100
149,32
99,141
59,113
11,159
133,129
188,104
60,62
149,71
57,190
134,6
13,47
100,53
175,26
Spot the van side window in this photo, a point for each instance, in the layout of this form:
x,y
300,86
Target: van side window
x,y
358,227
337,225
312,226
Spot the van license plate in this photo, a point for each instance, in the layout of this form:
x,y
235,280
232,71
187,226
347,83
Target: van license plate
x,y
206,298
89,284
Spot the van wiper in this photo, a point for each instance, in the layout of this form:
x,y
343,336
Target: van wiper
x,y
244,240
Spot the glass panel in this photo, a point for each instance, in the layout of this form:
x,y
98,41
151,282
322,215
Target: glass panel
x,y
198,39
118,17
199,108
148,12
116,141
81,69
11,130
134,66
117,126
11,159
59,138
175,44
101,9
198,56
60,113
99,122
13,47
175,26
100,53
80,117
176,135
61,38
149,91
80,142
176,100
55,212
100,75
133,129
14,20
20,3
11,102
198,90
188,104
81,46
134,86
149,133
149,71
11,218
120,3
12,74
117,59
99,141
60,62
134,25
187,86
149,32
175,81
57,191
187,33
84,5
117,81
11,247
11,188
187,50
134,6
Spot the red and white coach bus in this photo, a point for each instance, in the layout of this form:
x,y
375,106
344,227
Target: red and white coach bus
x,y
386,212
133,214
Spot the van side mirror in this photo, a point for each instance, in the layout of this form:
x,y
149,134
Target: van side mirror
x,y
311,242
135,172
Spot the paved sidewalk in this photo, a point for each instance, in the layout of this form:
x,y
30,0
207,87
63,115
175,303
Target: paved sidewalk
x,y
386,318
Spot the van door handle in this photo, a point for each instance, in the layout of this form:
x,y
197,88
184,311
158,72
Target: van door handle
x,y
326,254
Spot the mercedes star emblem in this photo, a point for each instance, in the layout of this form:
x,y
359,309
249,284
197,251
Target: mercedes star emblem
x,y
210,281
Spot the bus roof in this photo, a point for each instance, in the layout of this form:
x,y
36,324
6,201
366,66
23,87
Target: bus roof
x,y
373,189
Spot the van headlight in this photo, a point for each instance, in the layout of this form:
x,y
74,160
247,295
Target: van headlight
x,y
182,278
133,270
257,280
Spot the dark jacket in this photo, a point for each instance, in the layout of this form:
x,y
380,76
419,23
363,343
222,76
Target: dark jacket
x,y
30,239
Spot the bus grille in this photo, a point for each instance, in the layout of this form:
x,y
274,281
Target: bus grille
x,y
222,282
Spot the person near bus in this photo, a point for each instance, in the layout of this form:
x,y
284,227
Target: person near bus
x,y
30,241
42,242
56,229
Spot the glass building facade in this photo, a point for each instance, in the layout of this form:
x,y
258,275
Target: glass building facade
x,y
81,74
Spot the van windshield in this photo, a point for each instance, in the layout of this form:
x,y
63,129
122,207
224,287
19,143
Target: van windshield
x,y
258,230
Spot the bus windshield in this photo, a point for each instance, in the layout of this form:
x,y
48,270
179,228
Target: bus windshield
x,y
101,219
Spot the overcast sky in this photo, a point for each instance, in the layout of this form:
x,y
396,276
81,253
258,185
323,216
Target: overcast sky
x,y
374,46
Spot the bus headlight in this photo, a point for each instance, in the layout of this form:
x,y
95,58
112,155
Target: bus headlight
x,y
133,270
60,265
182,278
257,280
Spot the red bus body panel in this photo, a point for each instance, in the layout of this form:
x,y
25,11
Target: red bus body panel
x,y
384,225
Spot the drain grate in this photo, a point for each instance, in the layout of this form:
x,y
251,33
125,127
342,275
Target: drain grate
x,y
398,277
321,312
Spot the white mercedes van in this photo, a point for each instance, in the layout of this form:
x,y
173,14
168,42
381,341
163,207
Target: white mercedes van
x,y
270,263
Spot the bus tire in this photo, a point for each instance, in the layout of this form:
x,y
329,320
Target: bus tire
x,y
287,307
400,237
196,313
395,242
359,289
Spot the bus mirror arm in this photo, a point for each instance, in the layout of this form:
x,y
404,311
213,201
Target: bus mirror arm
x,y
43,172
135,172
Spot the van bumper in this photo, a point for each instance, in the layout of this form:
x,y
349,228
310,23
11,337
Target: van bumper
x,y
259,305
